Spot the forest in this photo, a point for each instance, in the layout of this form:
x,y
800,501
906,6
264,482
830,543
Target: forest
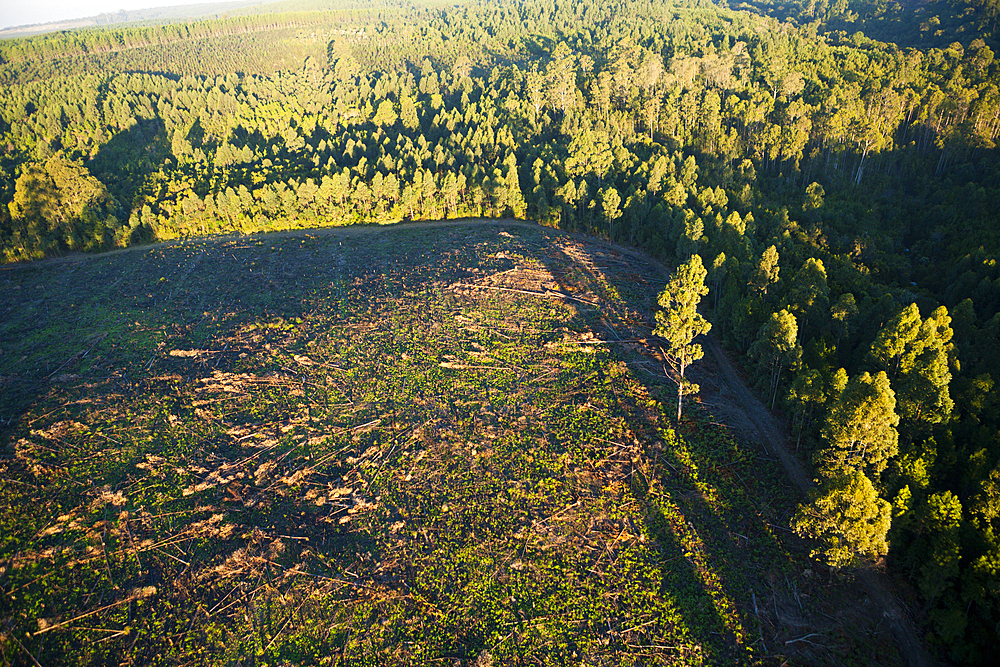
x,y
833,165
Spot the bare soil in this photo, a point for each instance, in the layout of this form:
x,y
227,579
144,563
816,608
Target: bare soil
x,y
724,393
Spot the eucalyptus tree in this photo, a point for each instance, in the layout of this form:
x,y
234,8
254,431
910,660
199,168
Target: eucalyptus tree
x,y
678,321
860,428
847,519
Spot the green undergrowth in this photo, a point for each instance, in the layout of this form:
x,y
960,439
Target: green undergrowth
x,y
412,446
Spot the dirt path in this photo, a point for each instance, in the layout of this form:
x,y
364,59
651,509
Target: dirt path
x,y
747,409
875,582
771,436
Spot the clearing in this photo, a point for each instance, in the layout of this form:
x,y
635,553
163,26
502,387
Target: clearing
x,y
444,444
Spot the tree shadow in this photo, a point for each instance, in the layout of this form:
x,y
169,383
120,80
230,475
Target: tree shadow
x,y
714,500
125,163
668,493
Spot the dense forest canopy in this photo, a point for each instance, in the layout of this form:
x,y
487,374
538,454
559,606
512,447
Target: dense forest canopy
x,y
907,23
840,191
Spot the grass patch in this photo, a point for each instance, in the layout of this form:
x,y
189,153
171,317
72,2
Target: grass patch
x,y
412,446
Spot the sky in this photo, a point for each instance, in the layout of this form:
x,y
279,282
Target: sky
x,y
22,12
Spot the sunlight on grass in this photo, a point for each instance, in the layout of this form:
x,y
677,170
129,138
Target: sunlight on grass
x,y
394,450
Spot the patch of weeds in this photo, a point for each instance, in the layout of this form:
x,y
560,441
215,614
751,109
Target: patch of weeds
x,y
405,448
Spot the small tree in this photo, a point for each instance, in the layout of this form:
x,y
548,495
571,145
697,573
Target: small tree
x,y
679,322
847,518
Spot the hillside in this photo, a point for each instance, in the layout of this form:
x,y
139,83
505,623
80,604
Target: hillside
x,y
838,192
406,445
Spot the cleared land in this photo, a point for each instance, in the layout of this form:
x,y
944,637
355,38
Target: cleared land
x,y
414,445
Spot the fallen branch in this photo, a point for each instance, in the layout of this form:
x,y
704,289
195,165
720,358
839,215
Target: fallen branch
x,y
135,595
561,295
539,522
771,525
168,555
285,625
33,659
603,342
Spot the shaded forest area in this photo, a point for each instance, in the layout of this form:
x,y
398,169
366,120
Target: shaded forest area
x,y
842,193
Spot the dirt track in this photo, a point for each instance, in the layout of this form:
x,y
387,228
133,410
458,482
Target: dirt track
x,y
749,410
874,581
738,405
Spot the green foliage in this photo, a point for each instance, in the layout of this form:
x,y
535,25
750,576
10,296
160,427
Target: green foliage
x,y
917,354
766,273
809,295
847,519
860,428
808,393
814,196
941,522
776,348
895,347
678,321
843,313
58,206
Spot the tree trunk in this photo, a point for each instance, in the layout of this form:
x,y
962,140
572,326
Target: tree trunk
x,y
680,392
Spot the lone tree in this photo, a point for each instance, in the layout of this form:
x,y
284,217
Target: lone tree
x,y
679,323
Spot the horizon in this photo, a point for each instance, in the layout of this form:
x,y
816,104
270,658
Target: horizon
x,y
51,11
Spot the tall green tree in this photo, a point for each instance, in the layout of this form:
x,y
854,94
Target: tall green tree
x,y
843,314
408,112
610,203
860,428
767,270
917,355
893,349
776,348
590,154
847,518
924,396
809,295
937,551
807,394
678,321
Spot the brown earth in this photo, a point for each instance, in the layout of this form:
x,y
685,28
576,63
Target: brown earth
x,y
724,392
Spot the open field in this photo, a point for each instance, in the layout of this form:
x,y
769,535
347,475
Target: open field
x,y
411,446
